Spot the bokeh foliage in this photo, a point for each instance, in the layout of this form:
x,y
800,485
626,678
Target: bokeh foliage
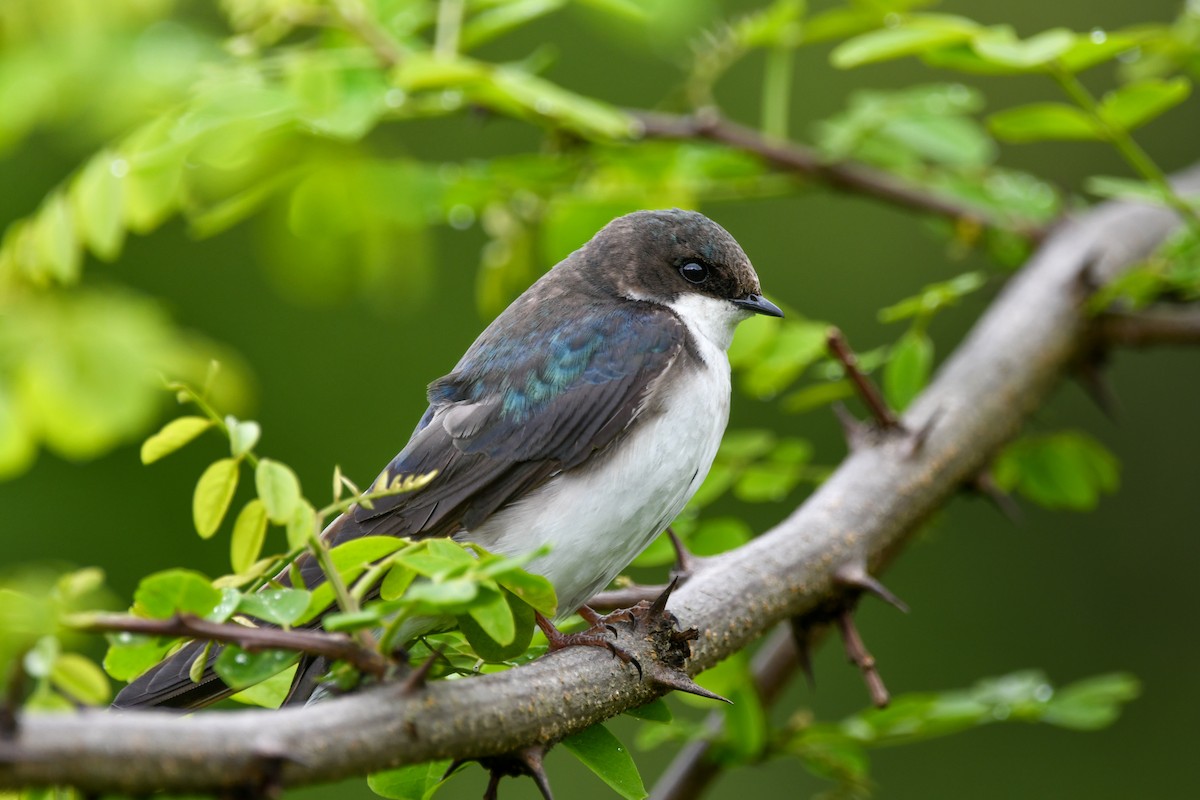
x,y
288,117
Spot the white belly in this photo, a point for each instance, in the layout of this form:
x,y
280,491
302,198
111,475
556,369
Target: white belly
x,y
600,516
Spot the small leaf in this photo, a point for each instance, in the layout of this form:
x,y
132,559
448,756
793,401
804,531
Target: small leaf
x,y
240,669
96,196
269,693
603,754
280,606
1069,470
249,532
129,655
1044,121
301,526
54,240
243,435
39,660
174,435
1000,45
214,492
532,589
396,582
278,488
494,617
891,43
907,371
486,645
172,591
654,711
1135,104
416,782
1093,703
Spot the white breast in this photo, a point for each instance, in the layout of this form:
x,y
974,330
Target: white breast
x,y
599,517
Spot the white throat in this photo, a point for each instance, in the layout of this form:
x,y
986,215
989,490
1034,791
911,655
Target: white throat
x,y
709,318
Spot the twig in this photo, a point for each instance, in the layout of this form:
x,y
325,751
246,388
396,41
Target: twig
x,y
336,646
867,389
626,596
858,654
788,156
1170,325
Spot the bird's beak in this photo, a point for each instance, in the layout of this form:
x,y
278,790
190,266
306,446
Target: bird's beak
x,y
759,305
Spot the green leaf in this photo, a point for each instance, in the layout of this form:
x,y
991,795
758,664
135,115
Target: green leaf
x,y
654,711
438,558
243,435
494,617
1068,470
396,582
278,488
796,346
445,595
280,606
1135,104
1093,703
532,589
603,754
96,200
129,655
39,660
934,298
478,628
301,526
1000,45
214,492
174,435
907,371
921,33
80,678
240,669
269,693
416,782
1044,121
54,240
172,591
249,532
500,19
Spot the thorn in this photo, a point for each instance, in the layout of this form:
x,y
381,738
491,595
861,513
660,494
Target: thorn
x,y
1086,280
853,574
918,438
682,682
494,777
857,652
1095,384
985,484
854,431
531,757
660,603
415,681
455,764
686,562
802,638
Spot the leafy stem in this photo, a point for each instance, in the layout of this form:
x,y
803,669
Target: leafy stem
x,y
777,87
199,400
1126,145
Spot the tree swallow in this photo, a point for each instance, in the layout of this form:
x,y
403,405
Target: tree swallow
x,y
583,418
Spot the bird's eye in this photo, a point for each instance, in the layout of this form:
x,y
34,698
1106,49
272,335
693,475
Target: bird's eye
x,y
694,272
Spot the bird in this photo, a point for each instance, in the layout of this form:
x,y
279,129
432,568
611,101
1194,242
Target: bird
x,y
582,420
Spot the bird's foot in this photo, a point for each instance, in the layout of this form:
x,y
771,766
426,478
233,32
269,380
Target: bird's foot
x,y
601,634
669,647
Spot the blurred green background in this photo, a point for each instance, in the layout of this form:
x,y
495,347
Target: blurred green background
x,y
339,377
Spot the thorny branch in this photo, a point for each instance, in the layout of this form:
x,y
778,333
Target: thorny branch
x,y
862,515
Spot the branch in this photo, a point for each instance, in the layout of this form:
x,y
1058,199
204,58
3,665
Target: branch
x,y
861,516
787,156
336,646
1172,325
